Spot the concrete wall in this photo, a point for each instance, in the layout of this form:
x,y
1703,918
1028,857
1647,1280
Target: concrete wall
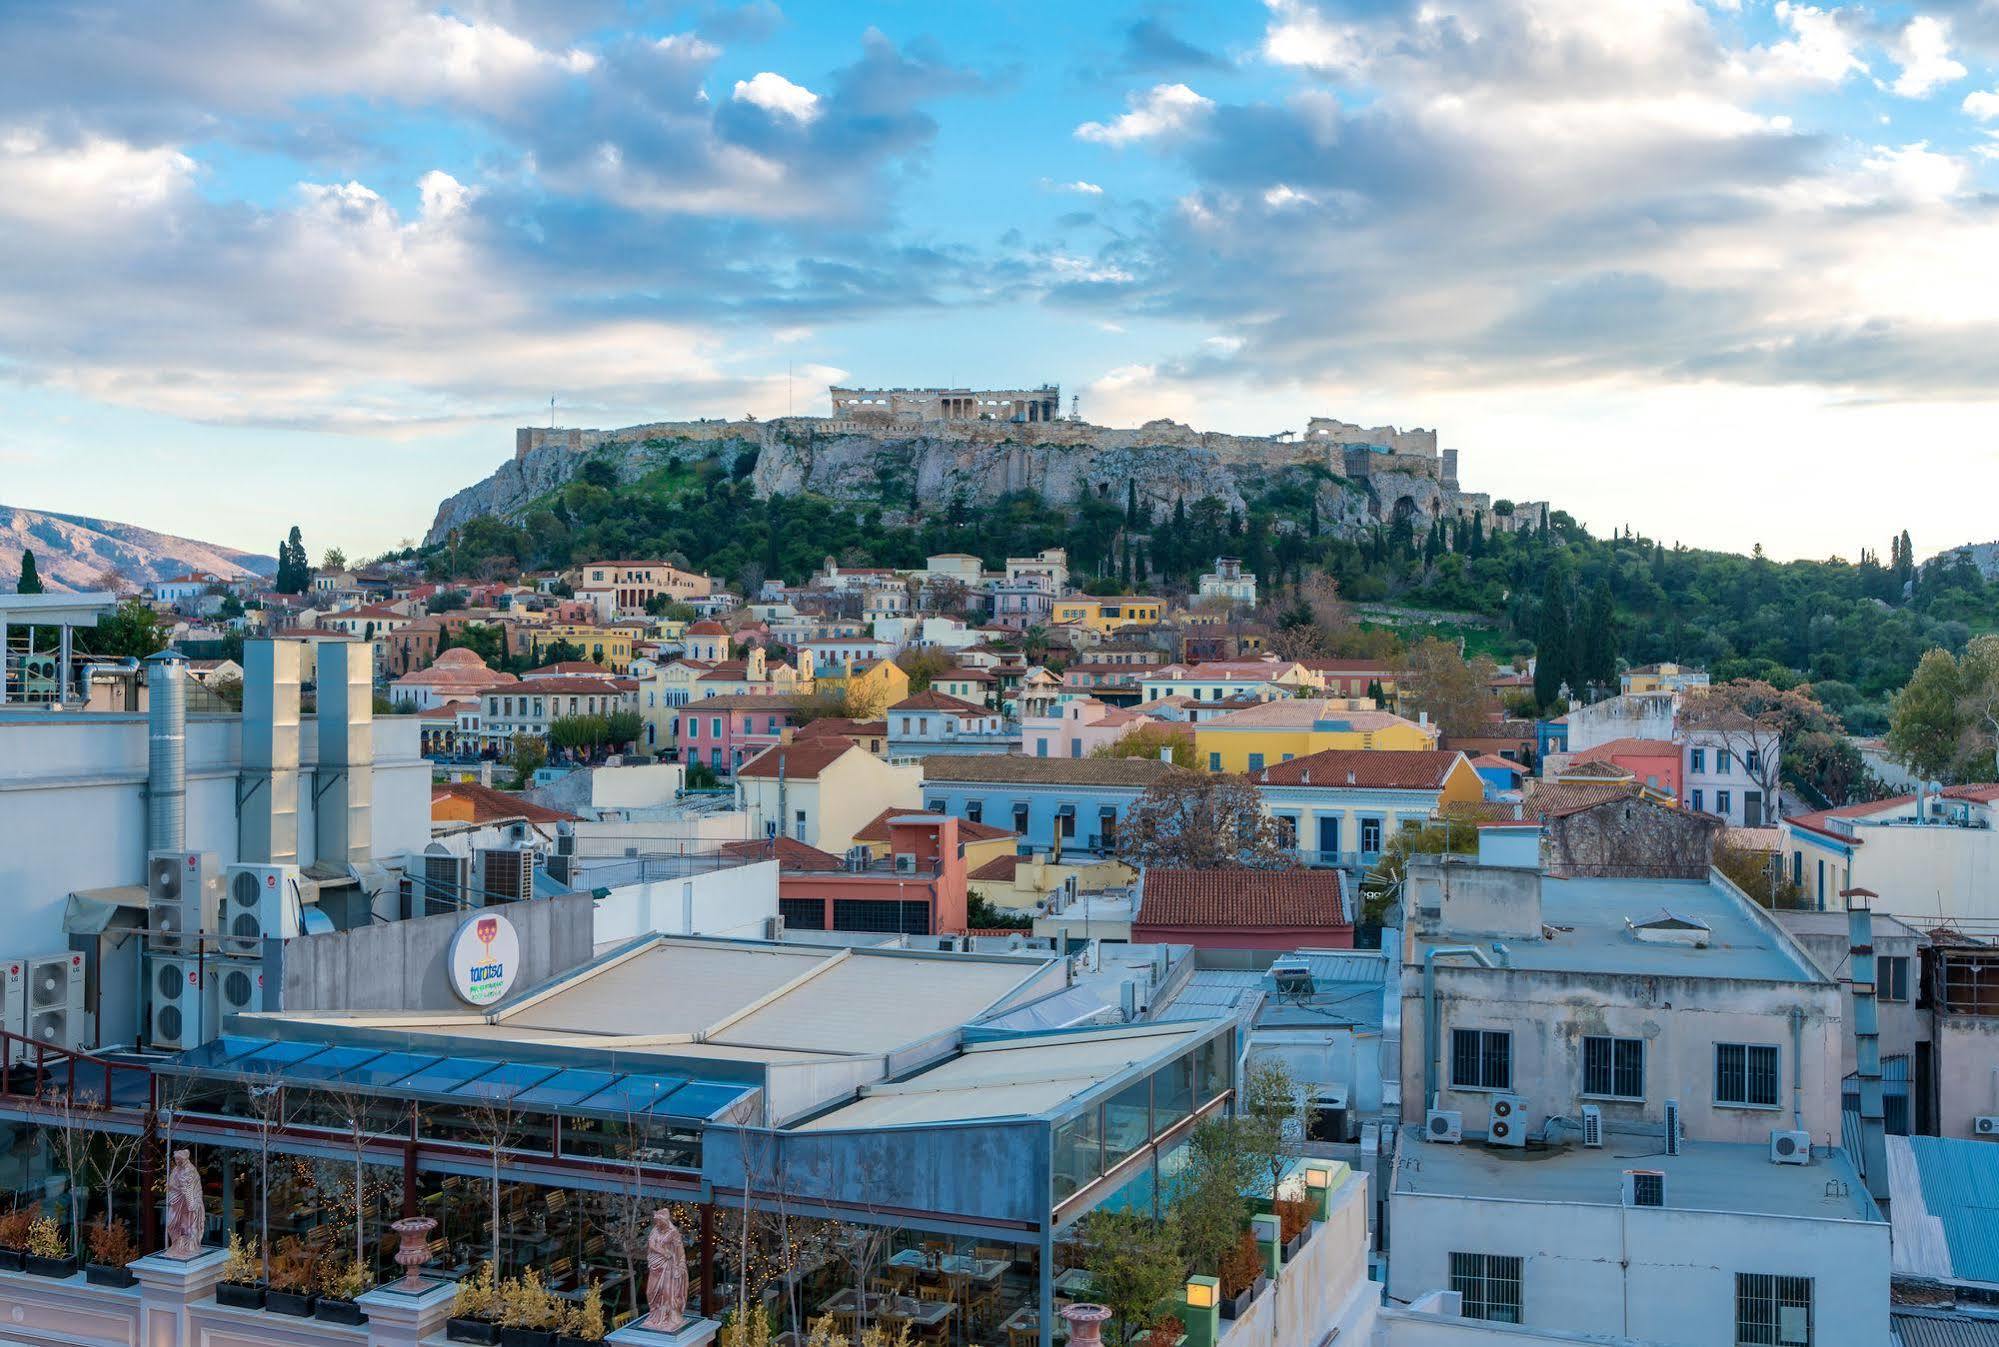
x,y
738,901
1967,1073
1322,1295
1929,874
638,786
401,965
1676,1282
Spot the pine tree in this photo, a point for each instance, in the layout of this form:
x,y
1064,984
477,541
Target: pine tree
x,y
1554,643
1131,502
31,579
1598,665
294,568
1312,520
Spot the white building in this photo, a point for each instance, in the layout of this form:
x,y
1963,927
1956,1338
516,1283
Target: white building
x,y
1732,776
1229,581
1931,859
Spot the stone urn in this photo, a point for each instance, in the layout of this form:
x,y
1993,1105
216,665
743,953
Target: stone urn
x,y
414,1251
1086,1324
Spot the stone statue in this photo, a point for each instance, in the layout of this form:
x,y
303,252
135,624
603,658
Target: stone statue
x,y
186,1218
666,1275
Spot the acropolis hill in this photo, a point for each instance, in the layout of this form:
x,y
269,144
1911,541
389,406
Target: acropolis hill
x,y
908,451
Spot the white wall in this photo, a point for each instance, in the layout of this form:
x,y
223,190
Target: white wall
x,y
1678,1286
1928,873
738,901
636,786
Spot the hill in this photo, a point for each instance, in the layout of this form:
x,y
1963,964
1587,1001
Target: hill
x,y
72,551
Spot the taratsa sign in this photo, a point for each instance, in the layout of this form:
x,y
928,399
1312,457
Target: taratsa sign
x,y
485,957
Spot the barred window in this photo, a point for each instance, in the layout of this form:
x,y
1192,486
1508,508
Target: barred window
x,y
1490,1285
1770,1311
1614,1067
1482,1059
1745,1073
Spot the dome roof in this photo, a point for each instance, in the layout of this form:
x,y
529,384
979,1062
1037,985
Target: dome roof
x,y
458,657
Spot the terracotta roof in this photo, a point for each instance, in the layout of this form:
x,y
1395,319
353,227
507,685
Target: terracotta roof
x,y
561,687
1373,769
1350,666
968,831
489,805
708,627
567,666
1557,799
965,675
1227,899
827,726
746,701
802,761
448,711
1019,769
1653,748
788,852
938,701
1491,760
999,868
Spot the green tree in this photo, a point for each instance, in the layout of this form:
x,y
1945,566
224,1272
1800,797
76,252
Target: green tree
x,y
530,752
334,559
31,580
294,568
1554,639
131,631
579,733
623,727
1134,1262
1271,1115
1926,727
1149,741
1211,1206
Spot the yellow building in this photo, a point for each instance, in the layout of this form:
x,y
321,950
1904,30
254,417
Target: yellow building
x,y
1020,883
1263,736
1333,804
1661,678
870,688
1106,615
610,647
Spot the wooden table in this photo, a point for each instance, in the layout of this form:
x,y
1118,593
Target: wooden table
x,y
921,1314
986,1270
1023,1327
1073,1282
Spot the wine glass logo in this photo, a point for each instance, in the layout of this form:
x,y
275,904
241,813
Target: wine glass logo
x,y
487,931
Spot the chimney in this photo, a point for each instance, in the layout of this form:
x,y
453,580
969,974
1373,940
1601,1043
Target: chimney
x,y
267,832
1862,965
344,780
166,752
1166,753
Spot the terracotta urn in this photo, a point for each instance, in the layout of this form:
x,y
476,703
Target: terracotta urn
x,y
414,1232
1086,1324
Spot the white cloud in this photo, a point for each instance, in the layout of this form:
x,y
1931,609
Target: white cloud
x,y
1298,35
1820,50
775,94
1283,194
1923,52
88,186
1079,187
1983,105
1163,110
1917,173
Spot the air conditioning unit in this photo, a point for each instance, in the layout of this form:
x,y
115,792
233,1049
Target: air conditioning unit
x,y
182,898
55,1001
1790,1148
14,1006
1985,1125
1592,1125
443,881
565,839
517,832
561,868
1644,1188
182,1013
239,987
260,902
1445,1125
1674,1131
502,875
905,863
1506,1124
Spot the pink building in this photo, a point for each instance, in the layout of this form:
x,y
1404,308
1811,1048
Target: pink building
x,y
1079,726
725,732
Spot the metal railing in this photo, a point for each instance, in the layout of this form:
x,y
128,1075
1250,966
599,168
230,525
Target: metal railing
x,y
70,1077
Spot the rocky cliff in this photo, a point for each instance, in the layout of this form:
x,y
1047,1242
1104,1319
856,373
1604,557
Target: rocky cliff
x,y
72,551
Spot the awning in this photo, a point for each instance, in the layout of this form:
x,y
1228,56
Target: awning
x,y
95,911
1065,811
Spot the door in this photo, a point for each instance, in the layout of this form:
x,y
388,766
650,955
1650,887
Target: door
x,y
1752,808
1329,839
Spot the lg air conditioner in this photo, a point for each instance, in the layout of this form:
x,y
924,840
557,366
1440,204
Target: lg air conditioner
x,y
260,902
1791,1148
14,1008
239,987
1592,1125
443,881
502,875
1444,1125
1506,1124
1985,1125
182,901
182,1012
55,1001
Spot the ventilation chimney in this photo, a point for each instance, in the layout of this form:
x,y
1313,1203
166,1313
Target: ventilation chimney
x,y
166,752
1867,1041
268,831
344,781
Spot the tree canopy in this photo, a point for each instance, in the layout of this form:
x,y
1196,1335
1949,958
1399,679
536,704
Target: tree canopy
x,y
1202,821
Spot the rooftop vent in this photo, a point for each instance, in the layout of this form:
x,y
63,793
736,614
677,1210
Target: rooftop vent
x,y
1644,1188
1292,977
1669,928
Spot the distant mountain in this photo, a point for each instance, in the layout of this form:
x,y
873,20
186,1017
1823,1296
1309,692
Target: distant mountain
x,y
72,551
1985,556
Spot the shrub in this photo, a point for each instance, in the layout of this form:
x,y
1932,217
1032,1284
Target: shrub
x,y
1163,1331
344,1280
45,1238
1294,1217
525,1302
243,1266
1241,1266
478,1298
111,1243
14,1228
586,1317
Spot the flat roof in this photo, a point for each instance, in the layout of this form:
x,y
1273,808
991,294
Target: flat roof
x,y
1590,920
1704,1176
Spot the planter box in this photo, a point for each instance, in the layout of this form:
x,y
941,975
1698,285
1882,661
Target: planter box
x,y
237,1296
527,1337
39,1266
103,1274
10,1259
1297,1243
569,1340
472,1330
298,1304
1234,1307
329,1310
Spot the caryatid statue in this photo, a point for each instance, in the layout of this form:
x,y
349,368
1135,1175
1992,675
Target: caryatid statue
x,y
186,1220
666,1275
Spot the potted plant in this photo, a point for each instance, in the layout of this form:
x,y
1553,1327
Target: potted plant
x,y
529,1312
473,1313
1241,1276
242,1284
339,1284
111,1248
585,1320
1294,1223
1165,1331
14,1237
294,1273
48,1249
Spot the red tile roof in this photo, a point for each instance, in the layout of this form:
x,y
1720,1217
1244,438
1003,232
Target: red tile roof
x,y
876,829
802,761
999,868
490,806
789,852
1371,769
938,701
1650,748
1224,899
567,666
827,726
1490,760
562,687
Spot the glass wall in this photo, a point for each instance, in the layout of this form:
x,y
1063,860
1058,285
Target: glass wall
x,y
1095,1140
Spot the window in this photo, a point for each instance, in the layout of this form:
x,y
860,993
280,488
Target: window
x,y
1721,803
1614,1067
1256,762
1697,760
1695,803
1770,1311
1020,819
975,811
1490,1285
1745,1074
1752,760
1798,868
1370,836
1481,1059
798,825
715,730
1067,817
1040,748
1721,762
1214,762
1892,978
1287,831
749,725
1329,835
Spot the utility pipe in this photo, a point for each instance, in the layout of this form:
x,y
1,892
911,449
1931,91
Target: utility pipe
x,y
1432,1038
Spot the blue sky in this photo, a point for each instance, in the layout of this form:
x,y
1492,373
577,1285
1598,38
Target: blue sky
x,y
1722,271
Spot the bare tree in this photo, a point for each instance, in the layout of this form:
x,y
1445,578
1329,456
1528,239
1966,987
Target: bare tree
x,y
498,1126
1748,719
266,1094
90,1158
1202,821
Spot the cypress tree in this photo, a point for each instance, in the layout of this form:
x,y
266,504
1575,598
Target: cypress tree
x,y
1554,643
31,579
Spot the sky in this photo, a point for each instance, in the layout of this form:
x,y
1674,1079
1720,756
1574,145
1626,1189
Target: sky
x,y
1724,271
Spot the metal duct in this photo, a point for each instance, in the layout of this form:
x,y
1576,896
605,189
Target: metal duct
x,y
344,781
166,752
1861,966
267,831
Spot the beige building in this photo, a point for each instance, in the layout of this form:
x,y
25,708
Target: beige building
x,y
822,792
624,588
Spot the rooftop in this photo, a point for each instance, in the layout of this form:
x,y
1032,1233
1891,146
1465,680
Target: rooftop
x,y
1944,1198
1374,769
801,761
1019,769
1238,898
876,829
490,806
1307,713
938,701
1704,1176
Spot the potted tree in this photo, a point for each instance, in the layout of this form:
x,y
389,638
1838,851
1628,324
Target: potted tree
x,y
1164,1331
585,1320
294,1273
111,1248
1294,1222
529,1312
1134,1263
242,1284
339,1283
48,1249
1241,1276
474,1313
14,1237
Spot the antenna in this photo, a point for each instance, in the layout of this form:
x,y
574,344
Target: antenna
x,y
551,411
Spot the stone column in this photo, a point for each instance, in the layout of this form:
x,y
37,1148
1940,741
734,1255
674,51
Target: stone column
x,y
167,1286
398,1318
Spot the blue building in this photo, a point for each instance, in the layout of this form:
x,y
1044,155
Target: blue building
x,y
1081,801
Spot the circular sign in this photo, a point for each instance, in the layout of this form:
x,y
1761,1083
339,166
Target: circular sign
x,y
485,955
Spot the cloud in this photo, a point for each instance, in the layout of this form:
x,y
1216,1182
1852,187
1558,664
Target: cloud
x,y
1923,51
1163,110
1079,187
1150,47
1983,105
778,95
1822,48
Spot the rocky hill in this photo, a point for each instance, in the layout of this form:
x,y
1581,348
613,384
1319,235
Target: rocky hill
x,y
72,551
1985,556
908,470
